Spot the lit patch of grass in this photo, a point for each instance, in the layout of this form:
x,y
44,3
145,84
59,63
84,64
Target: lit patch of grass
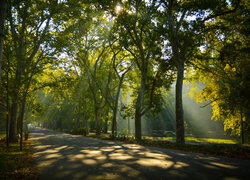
x,y
16,164
211,140
159,138
195,139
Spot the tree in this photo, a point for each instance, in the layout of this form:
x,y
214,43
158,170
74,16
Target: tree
x,y
140,36
120,72
223,65
24,45
184,24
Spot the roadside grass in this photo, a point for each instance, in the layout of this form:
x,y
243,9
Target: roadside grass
x,y
219,147
211,140
15,164
195,139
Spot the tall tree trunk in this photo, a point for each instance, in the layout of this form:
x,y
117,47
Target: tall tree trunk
x,y
178,105
3,6
19,114
7,107
14,106
21,119
85,123
114,122
140,102
180,75
138,117
13,118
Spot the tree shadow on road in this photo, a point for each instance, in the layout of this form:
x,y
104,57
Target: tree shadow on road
x,y
64,156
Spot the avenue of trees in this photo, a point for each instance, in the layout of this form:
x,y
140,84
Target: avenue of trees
x,y
82,64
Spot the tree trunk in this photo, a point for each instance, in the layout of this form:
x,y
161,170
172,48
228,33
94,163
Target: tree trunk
x,y
85,123
14,107
178,105
114,122
85,120
22,116
25,127
138,118
2,18
140,102
180,75
13,118
19,114
7,107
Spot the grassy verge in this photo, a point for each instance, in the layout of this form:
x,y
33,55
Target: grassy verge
x,y
15,164
197,140
231,149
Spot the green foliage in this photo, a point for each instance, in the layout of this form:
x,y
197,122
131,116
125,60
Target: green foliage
x,y
122,61
223,65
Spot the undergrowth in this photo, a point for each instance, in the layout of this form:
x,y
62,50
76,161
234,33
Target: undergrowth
x,y
16,164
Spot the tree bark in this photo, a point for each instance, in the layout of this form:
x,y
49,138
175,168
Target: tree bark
x,y
19,114
180,75
178,105
14,106
3,6
138,118
114,123
7,107
85,123
106,123
13,118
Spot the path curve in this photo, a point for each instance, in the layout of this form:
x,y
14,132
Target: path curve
x,y
71,157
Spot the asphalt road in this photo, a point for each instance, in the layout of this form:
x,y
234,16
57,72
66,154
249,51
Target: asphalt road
x,y
71,157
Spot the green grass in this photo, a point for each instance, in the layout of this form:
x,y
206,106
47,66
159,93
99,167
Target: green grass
x,y
15,164
199,140
211,140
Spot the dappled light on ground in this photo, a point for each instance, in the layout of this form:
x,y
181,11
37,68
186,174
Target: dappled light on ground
x,y
223,165
64,156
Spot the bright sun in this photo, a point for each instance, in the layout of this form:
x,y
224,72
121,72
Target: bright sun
x,y
118,8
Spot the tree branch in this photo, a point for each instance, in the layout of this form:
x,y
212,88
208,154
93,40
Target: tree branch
x,y
223,13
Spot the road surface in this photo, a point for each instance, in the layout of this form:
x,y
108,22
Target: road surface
x,y
71,157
